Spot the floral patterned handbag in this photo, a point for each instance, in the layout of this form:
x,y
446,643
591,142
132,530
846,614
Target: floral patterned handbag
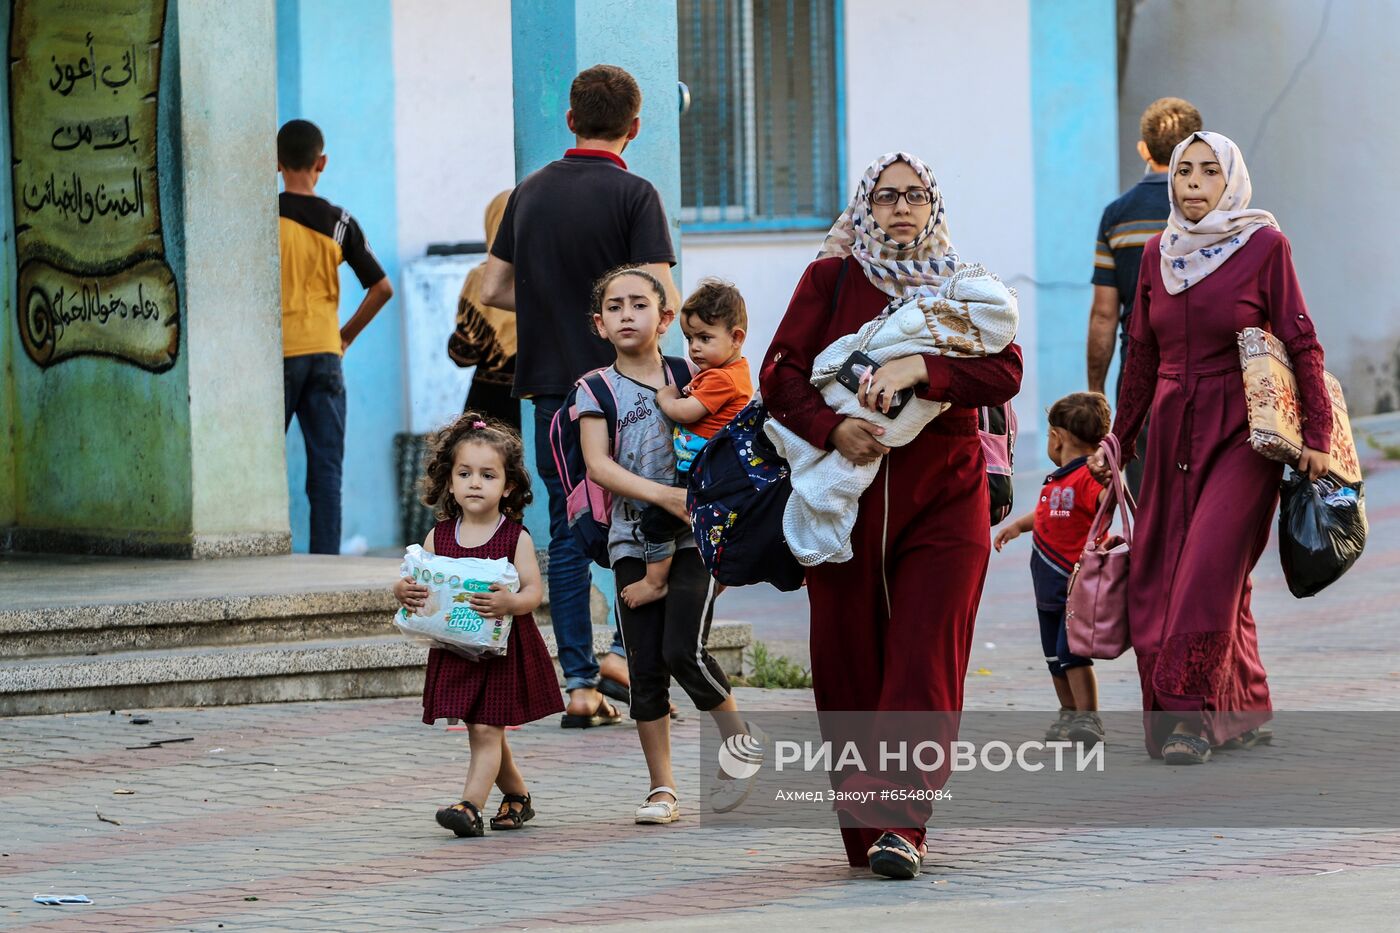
x,y
1275,416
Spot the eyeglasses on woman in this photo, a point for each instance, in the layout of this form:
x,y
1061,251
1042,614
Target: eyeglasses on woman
x,y
914,197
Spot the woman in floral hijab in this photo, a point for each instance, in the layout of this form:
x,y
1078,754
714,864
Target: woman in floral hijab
x,y
892,627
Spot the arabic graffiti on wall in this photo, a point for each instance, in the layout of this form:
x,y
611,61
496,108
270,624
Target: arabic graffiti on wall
x,y
93,277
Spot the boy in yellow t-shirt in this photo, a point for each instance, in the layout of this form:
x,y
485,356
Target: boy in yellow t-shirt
x,y
316,237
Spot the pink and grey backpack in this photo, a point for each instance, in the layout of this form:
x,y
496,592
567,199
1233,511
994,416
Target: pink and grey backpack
x,y
588,505
996,429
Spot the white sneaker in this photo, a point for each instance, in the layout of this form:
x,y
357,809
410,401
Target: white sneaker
x,y
659,811
729,793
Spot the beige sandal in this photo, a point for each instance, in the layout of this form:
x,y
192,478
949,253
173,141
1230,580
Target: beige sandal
x,y
659,811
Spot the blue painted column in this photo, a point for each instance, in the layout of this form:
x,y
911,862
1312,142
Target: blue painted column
x,y
335,67
553,40
1074,129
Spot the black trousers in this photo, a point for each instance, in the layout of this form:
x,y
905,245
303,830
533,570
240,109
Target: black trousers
x,y
666,638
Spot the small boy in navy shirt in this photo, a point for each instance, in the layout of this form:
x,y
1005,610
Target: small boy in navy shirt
x,y
1060,527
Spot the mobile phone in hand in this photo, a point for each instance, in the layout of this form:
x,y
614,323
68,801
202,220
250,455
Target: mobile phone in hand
x,y
856,366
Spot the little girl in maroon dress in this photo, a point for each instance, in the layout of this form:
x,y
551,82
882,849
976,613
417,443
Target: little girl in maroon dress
x,y
478,486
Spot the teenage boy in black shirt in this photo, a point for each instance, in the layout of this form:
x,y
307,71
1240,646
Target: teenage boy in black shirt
x,y
564,226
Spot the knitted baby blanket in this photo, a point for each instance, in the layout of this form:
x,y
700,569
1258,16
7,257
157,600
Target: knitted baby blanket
x,y
971,314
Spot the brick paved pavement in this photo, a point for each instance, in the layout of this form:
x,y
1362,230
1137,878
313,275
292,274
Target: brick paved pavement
x,y
319,815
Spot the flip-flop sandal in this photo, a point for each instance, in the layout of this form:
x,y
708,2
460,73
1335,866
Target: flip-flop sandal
x,y
611,688
604,715
615,690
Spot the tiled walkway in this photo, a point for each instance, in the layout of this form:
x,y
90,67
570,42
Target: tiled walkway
x,y
319,815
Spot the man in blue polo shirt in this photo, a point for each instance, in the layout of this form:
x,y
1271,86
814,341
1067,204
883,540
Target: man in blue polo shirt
x,y
564,226
1127,224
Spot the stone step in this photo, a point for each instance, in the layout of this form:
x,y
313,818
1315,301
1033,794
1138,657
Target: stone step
x,y
134,606
91,633
160,624
214,675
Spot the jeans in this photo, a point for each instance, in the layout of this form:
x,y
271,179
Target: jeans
x,y
569,579
1051,591
313,389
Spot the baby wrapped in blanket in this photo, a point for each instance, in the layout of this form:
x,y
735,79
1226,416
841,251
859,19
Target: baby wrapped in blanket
x,y
971,313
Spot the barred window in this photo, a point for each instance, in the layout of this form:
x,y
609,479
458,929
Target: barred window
x,y
762,144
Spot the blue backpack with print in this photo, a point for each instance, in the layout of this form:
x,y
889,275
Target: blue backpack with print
x,y
588,505
738,489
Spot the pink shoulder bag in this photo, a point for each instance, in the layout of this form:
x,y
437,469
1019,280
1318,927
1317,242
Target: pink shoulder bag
x,y
1096,613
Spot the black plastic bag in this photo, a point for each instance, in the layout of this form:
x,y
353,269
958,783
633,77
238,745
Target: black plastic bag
x,y
1321,532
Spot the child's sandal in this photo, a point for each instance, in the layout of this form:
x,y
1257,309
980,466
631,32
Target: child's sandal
x,y
660,812
462,818
510,818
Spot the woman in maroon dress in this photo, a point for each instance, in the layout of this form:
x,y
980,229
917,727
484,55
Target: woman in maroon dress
x,y
1208,498
891,629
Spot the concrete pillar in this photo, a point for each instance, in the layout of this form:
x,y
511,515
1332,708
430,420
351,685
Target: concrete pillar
x,y
553,40
1074,127
232,283
145,412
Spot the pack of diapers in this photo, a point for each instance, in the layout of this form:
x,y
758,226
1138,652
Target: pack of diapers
x,y
447,620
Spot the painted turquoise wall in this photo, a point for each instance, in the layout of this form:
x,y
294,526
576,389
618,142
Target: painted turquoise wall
x,y
553,40
1074,127
93,445
336,68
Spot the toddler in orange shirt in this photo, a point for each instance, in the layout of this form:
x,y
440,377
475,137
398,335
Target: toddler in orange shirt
x,y
714,320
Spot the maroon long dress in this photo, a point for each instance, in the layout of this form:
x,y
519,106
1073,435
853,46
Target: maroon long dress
x,y
926,554
1207,497
515,688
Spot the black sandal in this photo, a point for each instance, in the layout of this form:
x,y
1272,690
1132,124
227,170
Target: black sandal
x,y
1182,748
457,819
510,818
893,856
617,691
622,694
604,714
